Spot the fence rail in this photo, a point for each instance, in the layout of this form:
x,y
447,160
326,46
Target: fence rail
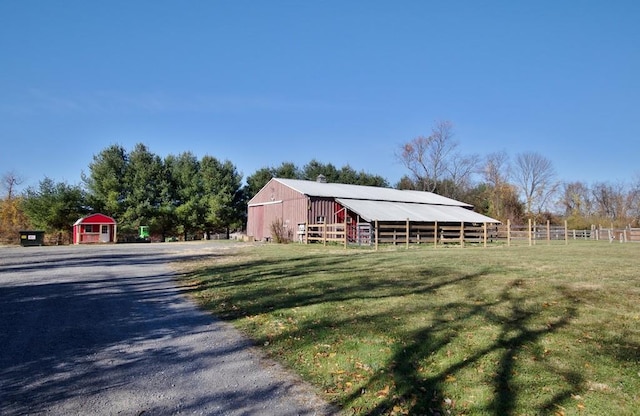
x,y
407,233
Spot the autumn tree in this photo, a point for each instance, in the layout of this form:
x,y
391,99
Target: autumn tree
x,y
495,173
12,217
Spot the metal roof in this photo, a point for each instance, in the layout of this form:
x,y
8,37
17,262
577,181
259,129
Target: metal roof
x,y
398,211
369,193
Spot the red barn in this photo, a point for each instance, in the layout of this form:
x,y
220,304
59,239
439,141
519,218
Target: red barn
x,y
354,213
95,228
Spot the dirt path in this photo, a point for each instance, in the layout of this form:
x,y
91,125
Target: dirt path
x,y
103,330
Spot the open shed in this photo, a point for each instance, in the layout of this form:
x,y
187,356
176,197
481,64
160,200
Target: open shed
x,y
312,210
95,228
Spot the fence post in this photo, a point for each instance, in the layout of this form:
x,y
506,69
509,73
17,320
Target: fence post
x,y
548,232
566,233
508,233
530,237
324,233
484,230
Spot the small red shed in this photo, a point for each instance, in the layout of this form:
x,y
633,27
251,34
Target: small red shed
x,y
95,228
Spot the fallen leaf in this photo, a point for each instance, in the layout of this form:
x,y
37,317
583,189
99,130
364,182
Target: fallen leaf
x,y
384,392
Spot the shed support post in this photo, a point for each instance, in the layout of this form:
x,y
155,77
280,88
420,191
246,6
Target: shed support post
x,y
408,234
345,229
376,234
462,234
435,234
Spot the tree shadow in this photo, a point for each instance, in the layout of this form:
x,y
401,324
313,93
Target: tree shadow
x,y
520,328
78,333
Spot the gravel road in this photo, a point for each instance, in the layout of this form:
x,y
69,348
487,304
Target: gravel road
x,y
103,330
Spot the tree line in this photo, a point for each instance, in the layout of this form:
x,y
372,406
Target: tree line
x,y
189,197
513,188
176,196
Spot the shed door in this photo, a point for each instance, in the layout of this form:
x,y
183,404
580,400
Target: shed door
x,y
105,235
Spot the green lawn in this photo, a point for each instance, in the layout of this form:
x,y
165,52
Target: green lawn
x,y
461,331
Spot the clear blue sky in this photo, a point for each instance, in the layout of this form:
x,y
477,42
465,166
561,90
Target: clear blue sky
x,y
345,82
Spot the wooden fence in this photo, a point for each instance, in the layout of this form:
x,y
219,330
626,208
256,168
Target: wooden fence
x,y
407,233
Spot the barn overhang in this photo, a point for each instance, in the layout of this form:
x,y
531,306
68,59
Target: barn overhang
x,y
371,211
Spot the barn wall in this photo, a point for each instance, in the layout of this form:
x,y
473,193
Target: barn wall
x,y
276,202
322,207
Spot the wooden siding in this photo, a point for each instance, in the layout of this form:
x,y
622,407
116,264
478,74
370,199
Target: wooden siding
x,y
276,202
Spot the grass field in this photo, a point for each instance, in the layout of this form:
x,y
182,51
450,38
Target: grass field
x,y
462,331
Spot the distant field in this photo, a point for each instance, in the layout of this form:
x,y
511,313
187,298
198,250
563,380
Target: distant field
x,y
462,331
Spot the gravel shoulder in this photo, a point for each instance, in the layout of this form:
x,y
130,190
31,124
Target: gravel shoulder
x,y
104,330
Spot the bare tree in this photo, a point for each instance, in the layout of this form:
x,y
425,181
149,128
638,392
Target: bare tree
x,y
534,175
425,157
10,181
433,162
576,200
611,200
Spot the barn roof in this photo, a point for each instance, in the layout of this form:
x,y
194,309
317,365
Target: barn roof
x,y
387,204
400,211
370,193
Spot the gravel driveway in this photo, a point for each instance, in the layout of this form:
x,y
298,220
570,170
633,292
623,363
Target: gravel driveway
x,y
104,330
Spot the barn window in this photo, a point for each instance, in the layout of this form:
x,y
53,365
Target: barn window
x,y
320,219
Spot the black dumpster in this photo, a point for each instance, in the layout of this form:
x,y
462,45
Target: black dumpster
x,y
31,238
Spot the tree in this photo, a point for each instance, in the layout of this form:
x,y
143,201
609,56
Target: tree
x,y
143,181
610,201
259,179
12,217
534,175
106,182
190,208
310,171
435,165
222,194
314,168
495,173
54,206
425,156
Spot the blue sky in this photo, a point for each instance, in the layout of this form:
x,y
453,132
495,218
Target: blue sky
x,y
264,82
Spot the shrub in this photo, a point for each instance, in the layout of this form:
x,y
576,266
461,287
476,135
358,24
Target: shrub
x,y
280,233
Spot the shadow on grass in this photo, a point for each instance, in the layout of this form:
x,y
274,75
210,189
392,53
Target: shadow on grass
x,y
269,286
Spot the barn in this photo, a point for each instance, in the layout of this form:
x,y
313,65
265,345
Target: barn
x,y
310,211
95,228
